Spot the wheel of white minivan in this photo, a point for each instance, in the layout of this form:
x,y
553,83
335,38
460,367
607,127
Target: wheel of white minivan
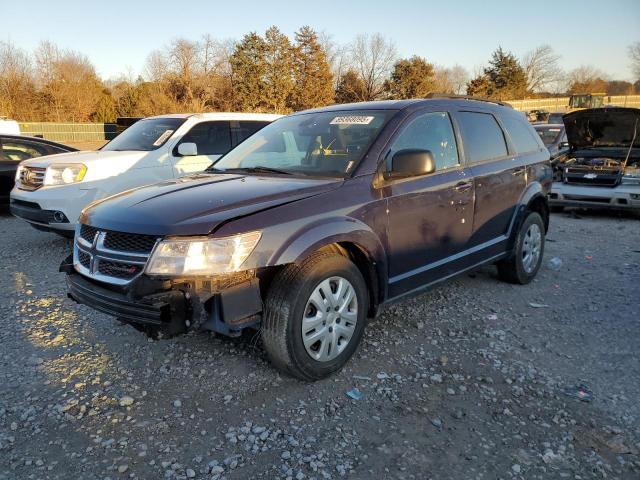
x,y
315,315
523,265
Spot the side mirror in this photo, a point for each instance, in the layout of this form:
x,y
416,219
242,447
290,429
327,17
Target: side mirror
x,y
563,145
411,163
187,149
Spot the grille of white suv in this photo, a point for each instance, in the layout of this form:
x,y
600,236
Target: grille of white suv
x,y
31,178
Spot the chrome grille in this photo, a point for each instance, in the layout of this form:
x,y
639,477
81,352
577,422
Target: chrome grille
x,y
111,257
31,178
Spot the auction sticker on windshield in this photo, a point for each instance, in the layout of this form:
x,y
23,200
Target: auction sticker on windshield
x,y
162,138
352,120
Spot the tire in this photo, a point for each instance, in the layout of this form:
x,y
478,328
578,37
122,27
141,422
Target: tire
x,y
519,268
293,297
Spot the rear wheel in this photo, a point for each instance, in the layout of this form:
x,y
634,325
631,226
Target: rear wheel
x,y
314,316
523,265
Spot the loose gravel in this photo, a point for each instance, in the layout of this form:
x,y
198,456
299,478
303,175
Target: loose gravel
x,y
474,379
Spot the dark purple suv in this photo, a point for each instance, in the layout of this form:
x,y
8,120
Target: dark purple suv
x,y
312,224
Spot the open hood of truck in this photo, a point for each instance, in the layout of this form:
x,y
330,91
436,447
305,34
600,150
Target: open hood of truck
x,y
602,127
198,204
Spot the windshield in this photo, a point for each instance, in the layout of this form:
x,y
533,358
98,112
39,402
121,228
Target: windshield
x,y
548,134
323,144
145,135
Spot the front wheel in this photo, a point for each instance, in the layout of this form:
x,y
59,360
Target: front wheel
x,y
314,316
523,265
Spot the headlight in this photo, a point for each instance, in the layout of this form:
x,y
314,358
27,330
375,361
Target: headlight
x,y
202,256
18,172
64,174
630,180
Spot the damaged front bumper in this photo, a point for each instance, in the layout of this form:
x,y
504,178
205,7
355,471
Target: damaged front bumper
x,y
223,304
589,196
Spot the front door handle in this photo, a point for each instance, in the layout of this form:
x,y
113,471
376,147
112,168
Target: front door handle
x,y
518,171
463,186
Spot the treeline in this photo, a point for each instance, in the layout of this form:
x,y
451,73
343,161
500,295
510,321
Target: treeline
x,y
268,73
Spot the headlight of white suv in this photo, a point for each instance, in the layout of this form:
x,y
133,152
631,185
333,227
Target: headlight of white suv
x,y
64,174
202,256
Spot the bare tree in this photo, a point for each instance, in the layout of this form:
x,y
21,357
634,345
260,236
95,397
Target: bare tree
x,y
634,55
184,58
156,66
585,79
16,85
542,68
337,56
458,77
47,54
442,80
372,58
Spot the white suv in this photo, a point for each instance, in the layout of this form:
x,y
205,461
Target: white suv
x,y
51,191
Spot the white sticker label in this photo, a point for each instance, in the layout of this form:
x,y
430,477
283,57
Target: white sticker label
x,y
162,138
352,120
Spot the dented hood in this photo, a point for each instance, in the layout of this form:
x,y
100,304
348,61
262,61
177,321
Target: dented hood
x,y
602,127
198,204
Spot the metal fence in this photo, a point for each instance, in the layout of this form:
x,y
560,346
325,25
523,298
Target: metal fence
x,y
70,132
560,104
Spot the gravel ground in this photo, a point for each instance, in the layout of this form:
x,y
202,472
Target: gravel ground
x,y
470,380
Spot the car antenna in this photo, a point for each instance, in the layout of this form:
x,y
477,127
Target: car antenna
x,y
633,140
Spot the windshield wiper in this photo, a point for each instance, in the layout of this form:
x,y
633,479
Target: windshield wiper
x,y
256,169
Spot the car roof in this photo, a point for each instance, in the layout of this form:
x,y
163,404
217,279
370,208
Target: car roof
x,y
223,116
39,140
410,103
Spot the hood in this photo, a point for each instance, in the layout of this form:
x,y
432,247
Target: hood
x,y
602,127
86,158
196,205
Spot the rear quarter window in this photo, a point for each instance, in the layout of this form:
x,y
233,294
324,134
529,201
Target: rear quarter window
x,y
482,136
523,136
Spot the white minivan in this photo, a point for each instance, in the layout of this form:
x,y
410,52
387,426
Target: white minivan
x,y
50,192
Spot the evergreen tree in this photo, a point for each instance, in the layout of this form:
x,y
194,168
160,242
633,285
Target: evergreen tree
x,y
350,88
312,74
105,109
503,79
410,78
278,78
248,70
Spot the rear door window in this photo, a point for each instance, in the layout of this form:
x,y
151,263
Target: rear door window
x,y
211,138
240,130
431,131
522,135
482,136
19,150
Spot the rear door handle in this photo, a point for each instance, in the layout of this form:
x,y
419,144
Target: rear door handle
x,y
463,186
519,171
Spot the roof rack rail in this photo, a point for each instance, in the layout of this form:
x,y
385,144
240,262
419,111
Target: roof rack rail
x,y
467,97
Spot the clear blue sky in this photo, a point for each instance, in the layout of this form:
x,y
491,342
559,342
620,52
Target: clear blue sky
x,y
118,34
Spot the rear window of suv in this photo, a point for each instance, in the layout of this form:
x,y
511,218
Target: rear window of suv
x,y
482,136
521,133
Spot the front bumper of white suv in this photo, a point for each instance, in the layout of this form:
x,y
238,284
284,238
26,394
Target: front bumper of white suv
x,y
52,208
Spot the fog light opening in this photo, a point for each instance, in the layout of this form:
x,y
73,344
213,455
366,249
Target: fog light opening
x,y
59,217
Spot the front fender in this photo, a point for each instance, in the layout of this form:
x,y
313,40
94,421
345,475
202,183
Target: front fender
x,y
324,232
